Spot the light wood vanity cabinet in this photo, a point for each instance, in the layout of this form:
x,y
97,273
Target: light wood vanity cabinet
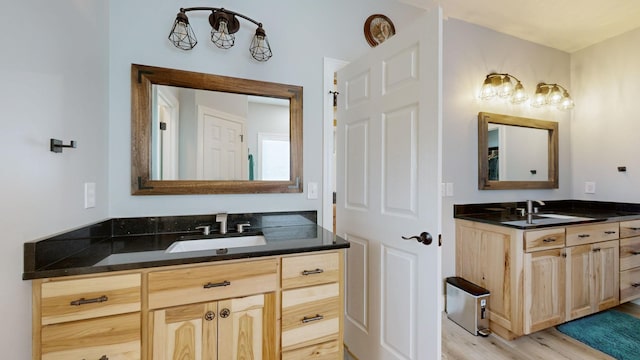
x,y
87,318
281,307
312,299
629,260
540,278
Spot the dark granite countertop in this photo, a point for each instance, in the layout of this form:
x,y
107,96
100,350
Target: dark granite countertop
x,y
574,211
135,243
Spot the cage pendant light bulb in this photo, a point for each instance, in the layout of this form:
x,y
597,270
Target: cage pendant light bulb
x,y
260,49
221,36
182,35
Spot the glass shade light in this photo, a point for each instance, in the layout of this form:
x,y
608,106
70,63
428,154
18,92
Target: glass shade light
x,y
552,94
519,96
487,91
502,86
506,88
555,96
260,48
182,35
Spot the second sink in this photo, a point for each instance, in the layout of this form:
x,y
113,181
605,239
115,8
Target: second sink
x,y
216,243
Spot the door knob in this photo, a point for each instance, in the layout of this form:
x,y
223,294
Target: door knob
x,y
424,238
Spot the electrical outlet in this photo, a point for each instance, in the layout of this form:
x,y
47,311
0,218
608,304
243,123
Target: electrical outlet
x,y
449,190
590,187
312,191
89,195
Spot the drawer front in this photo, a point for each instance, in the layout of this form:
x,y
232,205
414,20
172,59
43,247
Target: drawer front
x,y
115,337
629,285
629,228
329,350
588,234
308,270
71,300
310,315
212,282
629,253
544,239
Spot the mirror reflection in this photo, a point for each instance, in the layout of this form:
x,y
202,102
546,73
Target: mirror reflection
x,y
212,135
516,153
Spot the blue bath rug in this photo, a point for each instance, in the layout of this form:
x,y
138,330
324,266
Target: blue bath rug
x,y
612,332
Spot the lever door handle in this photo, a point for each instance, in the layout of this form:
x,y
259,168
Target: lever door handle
x,y
424,238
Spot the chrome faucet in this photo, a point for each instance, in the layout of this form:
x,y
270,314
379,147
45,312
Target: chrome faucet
x,y
222,219
530,209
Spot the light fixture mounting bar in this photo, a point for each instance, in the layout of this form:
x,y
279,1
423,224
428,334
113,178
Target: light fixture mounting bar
x,y
204,8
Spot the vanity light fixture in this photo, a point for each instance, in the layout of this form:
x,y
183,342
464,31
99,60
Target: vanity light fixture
x,y
501,85
552,94
224,24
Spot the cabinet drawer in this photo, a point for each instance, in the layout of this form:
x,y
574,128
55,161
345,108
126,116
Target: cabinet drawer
x,y
307,270
115,337
544,239
329,350
212,282
629,285
310,315
629,253
629,228
71,300
587,234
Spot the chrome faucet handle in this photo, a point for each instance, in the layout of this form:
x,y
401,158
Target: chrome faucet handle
x,y
205,229
240,227
222,219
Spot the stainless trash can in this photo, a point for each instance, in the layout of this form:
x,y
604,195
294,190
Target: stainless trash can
x,y
468,305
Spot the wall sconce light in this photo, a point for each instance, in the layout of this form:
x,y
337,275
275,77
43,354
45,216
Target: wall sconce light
x,y
501,85
552,94
224,25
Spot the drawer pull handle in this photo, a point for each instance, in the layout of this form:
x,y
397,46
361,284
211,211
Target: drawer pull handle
x,y
310,319
596,250
215,285
549,240
104,357
634,228
584,235
635,284
634,252
83,301
311,272
610,232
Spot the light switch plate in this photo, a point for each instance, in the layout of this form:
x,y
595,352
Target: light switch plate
x,y
312,191
590,187
89,195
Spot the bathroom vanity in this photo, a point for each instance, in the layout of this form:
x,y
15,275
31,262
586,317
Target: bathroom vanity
x,y
571,259
112,290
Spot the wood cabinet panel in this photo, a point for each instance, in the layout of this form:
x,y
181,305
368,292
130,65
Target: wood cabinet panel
x,y
629,228
544,282
544,239
308,270
629,285
116,337
77,299
329,350
629,253
588,234
606,272
214,282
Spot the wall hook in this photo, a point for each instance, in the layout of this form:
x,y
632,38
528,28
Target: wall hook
x,y
56,145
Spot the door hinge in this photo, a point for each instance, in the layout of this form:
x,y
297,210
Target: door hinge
x,y
439,239
335,97
241,138
163,125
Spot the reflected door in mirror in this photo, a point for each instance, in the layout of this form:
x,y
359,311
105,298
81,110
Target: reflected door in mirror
x,y
517,153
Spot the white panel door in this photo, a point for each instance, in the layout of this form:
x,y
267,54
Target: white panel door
x,y
388,179
221,151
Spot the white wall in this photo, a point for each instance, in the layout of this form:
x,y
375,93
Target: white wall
x,y
301,33
54,84
606,124
470,53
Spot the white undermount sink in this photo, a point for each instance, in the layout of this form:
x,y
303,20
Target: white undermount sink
x,y
216,243
557,216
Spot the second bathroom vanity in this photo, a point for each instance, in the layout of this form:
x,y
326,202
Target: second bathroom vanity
x,y
570,259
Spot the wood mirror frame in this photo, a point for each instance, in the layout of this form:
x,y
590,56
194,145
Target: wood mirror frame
x,y
142,79
484,119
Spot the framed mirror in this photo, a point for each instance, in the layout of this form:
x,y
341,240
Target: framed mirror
x,y
196,133
516,153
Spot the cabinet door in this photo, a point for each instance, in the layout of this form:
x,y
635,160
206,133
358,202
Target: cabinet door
x,y
579,289
606,271
185,332
544,282
241,325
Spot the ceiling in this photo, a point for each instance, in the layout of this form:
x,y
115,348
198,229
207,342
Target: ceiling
x,y
567,25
